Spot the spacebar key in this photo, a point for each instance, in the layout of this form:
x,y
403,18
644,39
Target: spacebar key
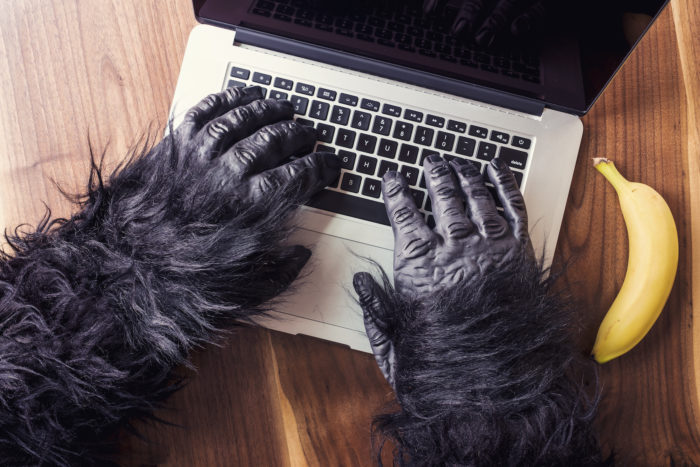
x,y
350,206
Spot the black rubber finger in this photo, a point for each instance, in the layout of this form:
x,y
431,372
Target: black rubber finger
x,y
498,21
413,237
300,179
480,203
468,17
446,198
430,6
511,198
531,21
372,301
219,134
268,147
215,105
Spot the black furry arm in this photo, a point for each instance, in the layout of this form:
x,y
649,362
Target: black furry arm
x,y
96,310
471,336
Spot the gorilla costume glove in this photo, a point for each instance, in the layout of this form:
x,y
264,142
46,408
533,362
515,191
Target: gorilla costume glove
x,y
96,310
471,337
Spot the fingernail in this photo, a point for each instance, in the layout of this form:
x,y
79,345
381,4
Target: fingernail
x,y
434,158
498,163
390,175
253,90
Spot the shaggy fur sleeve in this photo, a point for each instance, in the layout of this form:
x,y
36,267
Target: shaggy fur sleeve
x,y
487,375
96,310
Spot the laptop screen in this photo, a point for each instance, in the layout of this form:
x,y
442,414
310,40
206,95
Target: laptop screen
x,y
561,53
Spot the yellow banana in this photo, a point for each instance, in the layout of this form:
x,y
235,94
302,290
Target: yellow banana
x,y
651,266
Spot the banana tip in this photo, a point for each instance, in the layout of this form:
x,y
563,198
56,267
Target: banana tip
x,y
600,160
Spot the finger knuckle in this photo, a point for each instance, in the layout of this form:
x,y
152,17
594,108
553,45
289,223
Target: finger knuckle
x,y
218,129
403,215
494,225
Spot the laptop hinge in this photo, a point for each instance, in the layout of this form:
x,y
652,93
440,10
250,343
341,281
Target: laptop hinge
x,y
390,71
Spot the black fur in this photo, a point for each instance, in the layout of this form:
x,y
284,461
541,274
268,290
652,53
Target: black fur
x,y
487,375
96,310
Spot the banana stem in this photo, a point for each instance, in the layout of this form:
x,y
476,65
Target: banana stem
x,y
610,172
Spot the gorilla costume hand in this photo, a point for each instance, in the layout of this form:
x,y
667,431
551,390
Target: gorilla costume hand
x,y
485,21
96,310
471,336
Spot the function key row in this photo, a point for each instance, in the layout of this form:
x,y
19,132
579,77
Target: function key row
x,y
361,120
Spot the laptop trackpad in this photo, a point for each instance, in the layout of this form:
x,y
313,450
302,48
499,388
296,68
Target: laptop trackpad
x,y
324,291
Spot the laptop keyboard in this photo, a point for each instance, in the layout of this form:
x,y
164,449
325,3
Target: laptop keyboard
x,y
372,137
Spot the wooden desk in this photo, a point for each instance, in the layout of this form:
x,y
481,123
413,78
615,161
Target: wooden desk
x,y
74,72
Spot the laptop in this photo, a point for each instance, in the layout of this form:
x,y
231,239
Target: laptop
x,y
385,85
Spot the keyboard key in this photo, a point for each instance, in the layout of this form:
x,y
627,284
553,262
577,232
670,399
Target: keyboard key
x,y
382,125
408,153
279,95
300,104
240,73
303,88
386,166
347,159
478,131
327,94
305,122
465,146
340,115
232,83
284,83
434,120
444,141
418,197
348,99
514,158
342,203
324,148
520,142
403,131
411,174
428,205
387,148
319,110
500,137
372,187
366,143
345,138
325,132
369,104
454,125
392,110
424,136
430,222
413,115
360,120
262,78
518,177
350,182
486,151
367,164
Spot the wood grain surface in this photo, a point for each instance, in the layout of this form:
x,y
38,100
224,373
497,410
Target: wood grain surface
x,y
101,73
